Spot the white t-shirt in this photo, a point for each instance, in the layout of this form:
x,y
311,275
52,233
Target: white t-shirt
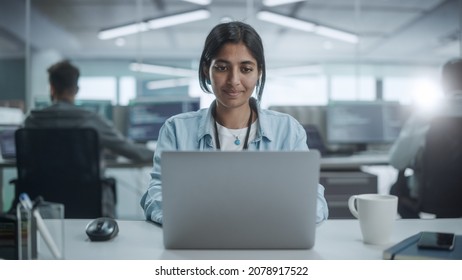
x,y
233,139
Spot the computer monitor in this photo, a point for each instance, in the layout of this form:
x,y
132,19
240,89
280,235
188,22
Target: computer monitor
x,y
41,102
314,139
102,107
363,123
147,117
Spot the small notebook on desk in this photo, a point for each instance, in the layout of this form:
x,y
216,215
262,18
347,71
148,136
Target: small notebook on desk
x,y
408,250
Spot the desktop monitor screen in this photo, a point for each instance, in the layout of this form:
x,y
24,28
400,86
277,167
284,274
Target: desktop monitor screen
x,y
146,118
41,102
102,107
314,139
364,122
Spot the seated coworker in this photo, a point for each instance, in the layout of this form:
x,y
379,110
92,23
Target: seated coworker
x,y
63,80
232,66
407,150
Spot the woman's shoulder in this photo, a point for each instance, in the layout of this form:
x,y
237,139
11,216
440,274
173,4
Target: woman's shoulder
x,y
272,121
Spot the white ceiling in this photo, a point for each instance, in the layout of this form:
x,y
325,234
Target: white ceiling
x,y
391,31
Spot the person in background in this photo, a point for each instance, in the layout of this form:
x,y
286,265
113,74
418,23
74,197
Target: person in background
x,y
407,149
63,80
63,113
232,67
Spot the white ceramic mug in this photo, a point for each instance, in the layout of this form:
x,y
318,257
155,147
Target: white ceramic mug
x,y
376,214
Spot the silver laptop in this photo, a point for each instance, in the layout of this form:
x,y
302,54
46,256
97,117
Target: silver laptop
x,y
239,200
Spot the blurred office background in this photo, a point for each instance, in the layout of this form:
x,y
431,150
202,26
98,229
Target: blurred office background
x,y
323,57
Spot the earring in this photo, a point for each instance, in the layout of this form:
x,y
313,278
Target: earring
x,y
258,83
208,81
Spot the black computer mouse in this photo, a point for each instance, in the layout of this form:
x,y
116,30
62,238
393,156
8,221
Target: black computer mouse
x,y
102,229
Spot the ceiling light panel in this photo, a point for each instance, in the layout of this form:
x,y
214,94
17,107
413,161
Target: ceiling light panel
x,y
336,34
122,31
308,26
271,3
157,23
164,70
286,21
178,19
199,2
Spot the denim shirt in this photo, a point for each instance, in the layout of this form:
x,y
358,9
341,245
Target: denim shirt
x,y
193,131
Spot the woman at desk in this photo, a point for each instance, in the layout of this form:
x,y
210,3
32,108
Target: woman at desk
x,y
232,67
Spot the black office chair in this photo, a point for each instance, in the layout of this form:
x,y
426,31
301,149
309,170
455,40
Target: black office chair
x,y
314,139
439,171
63,165
441,188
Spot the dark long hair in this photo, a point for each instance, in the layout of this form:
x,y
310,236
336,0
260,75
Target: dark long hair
x,y
232,32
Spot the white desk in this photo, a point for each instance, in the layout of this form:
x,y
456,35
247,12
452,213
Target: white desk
x,y
353,162
335,240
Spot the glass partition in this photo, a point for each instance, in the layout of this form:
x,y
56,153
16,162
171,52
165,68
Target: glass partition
x,y
355,45
317,51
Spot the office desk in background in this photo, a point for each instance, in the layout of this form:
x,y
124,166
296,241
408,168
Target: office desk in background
x,y
335,240
353,162
344,176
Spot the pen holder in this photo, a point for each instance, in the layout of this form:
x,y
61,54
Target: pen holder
x,y
41,231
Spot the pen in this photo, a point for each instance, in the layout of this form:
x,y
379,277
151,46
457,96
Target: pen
x,y
27,203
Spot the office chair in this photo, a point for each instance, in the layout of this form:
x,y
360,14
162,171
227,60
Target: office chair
x,y
314,139
441,188
63,165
